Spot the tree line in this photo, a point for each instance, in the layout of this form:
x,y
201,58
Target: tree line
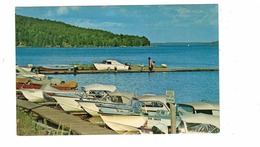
x,y
34,32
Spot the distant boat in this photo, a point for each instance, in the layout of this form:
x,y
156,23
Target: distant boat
x,y
111,65
56,67
164,65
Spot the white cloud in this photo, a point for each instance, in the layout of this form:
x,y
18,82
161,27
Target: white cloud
x,y
87,23
188,15
65,10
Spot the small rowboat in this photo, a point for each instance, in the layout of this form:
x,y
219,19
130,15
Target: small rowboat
x,y
56,67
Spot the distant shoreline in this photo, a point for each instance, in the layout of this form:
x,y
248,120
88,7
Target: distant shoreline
x,y
152,45
185,43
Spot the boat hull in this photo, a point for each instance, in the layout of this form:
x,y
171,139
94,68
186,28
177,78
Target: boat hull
x,y
110,67
89,107
34,95
56,67
27,86
68,104
123,123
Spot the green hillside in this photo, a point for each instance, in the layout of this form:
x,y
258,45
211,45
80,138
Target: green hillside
x,y
34,32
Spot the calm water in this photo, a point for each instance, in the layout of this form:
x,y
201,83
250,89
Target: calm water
x,y
188,86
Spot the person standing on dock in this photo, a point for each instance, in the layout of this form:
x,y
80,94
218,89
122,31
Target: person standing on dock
x,y
149,64
152,65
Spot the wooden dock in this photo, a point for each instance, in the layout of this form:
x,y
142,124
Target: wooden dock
x,y
135,70
69,121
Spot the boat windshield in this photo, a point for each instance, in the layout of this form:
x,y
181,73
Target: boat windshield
x,y
184,109
112,98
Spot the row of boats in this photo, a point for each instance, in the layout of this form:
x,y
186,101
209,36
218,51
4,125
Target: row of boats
x,y
126,112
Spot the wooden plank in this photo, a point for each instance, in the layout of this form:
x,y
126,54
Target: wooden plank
x,y
26,104
76,124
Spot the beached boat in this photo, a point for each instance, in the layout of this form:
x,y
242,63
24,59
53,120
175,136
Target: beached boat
x,y
68,103
111,65
38,79
185,111
24,82
89,105
33,83
35,95
199,123
136,112
94,91
69,85
146,103
43,94
21,72
188,123
124,122
29,67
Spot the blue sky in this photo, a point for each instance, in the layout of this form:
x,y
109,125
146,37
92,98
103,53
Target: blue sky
x,y
159,23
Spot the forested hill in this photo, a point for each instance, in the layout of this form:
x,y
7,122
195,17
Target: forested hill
x,y
34,32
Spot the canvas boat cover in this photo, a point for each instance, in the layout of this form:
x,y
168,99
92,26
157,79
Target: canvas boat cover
x,y
201,118
100,87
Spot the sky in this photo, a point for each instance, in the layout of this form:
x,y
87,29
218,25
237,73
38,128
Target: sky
x,y
159,23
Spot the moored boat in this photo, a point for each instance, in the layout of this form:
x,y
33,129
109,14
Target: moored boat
x,y
56,67
164,65
111,65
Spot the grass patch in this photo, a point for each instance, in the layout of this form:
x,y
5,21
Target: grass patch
x,y
26,126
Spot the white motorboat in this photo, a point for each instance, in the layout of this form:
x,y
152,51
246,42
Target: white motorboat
x,y
68,101
34,95
153,108
56,67
146,103
111,98
111,65
199,123
188,112
21,72
124,122
43,94
188,123
164,65
128,118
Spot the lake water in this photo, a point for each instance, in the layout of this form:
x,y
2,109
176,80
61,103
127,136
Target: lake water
x,y
188,86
